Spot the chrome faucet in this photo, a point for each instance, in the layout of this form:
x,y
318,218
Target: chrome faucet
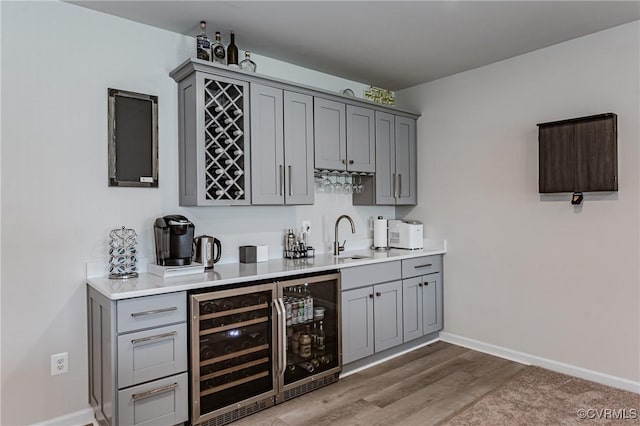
x,y
337,248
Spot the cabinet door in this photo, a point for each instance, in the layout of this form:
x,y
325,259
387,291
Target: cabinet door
x,y
361,140
388,315
412,308
357,324
385,159
597,155
298,148
431,303
330,144
267,145
406,164
557,153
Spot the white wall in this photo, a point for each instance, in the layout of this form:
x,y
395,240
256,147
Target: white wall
x,y
57,62
528,272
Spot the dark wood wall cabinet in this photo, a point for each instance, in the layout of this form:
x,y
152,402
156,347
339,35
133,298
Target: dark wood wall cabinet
x,y
579,155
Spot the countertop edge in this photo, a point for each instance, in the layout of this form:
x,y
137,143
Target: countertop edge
x,y
154,285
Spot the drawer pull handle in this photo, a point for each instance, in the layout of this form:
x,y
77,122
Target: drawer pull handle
x,y
156,337
428,265
152,392
153,312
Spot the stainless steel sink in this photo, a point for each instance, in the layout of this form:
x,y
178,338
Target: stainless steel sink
x,y
347,258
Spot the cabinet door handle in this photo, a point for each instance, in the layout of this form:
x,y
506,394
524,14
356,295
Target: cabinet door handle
x,y
420,285
153,312
371,296
395,192
399,185
156,337
350,161
281,178
426,284
290,179
344,161
147,394
428,265
378,294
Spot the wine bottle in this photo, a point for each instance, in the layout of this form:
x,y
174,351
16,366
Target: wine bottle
x,y
203,44
232,52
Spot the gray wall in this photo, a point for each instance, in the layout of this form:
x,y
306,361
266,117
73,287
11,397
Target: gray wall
x,y
57,62
527,272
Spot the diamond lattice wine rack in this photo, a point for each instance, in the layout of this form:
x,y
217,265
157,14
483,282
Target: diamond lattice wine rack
x,y
224,151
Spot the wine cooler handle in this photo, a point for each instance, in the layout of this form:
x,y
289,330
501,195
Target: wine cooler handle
x,y
276,304
283,339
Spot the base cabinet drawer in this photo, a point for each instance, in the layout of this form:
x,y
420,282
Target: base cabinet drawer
x,y
421,266
151,354
151,311
159,403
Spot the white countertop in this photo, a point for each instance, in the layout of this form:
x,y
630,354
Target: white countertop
x,y
222,274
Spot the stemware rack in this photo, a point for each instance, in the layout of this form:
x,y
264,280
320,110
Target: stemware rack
x,y
343,182
225,145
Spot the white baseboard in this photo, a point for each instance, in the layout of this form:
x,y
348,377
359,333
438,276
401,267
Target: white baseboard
x,y
78,418
549,364
380,361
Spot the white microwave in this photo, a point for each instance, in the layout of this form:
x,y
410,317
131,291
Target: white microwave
x,y
406,234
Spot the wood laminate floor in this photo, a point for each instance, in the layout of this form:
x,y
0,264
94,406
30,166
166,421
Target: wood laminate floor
x,y
424,387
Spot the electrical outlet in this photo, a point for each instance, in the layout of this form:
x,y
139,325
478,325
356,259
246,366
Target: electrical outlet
x,y
306,226
59,363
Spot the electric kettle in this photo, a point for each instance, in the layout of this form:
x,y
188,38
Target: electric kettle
x,y
204,250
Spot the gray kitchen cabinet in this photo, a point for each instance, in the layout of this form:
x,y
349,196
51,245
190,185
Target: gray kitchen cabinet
x,y
395,180
138,359
387,315
357,324
267,145
361,139
330,134
344,137
281,146
371,309
422,296
406,163
214,139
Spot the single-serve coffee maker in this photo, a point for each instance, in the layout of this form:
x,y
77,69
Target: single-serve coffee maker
x,y
174,240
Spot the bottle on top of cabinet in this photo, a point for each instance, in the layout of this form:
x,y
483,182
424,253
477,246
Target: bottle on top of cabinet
x,y
218,52
203,44
247,64
232,52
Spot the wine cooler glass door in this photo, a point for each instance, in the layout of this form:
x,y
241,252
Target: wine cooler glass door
x,y
233,347
312,346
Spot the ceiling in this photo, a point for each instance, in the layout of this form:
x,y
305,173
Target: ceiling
x,y
389,44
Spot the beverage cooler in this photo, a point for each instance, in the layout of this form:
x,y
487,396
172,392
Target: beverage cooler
x,y
256,346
